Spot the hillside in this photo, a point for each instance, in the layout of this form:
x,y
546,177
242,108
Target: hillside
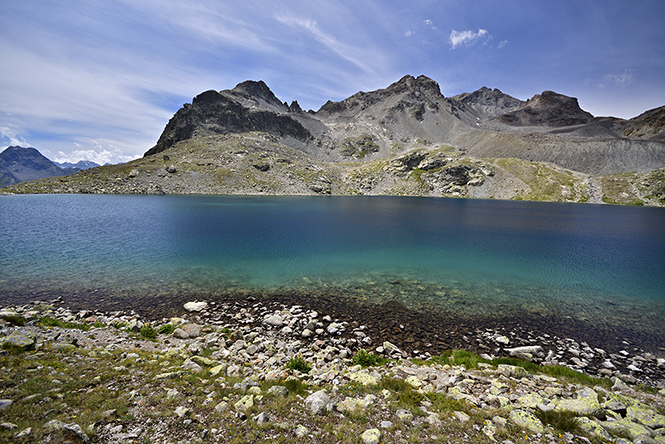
x,y
19,164
406,139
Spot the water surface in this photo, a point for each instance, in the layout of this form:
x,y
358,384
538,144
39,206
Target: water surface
x,y
603,264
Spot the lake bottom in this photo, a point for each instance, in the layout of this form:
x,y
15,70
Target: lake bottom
x,y
396,306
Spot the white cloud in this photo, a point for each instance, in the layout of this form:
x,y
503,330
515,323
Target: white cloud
x,y
624,79
429,23
408,33
502,43
467,38
100,153
10,137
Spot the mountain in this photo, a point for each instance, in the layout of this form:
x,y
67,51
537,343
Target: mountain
x,y
80,165
405,139
19,164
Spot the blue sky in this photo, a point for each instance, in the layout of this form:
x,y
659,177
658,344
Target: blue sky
x,y
99,79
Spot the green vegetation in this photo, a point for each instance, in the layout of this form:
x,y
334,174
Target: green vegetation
x,y
166,329
561,421
148,332
48,321
359,147
15,320
299,363
368,359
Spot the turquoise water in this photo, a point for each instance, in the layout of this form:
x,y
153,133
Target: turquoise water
x,y
601,263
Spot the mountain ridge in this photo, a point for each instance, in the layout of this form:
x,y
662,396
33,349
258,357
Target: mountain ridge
x,y
19,164
405,139
391,120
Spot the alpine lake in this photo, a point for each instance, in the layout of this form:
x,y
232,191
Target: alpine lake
x,y
594,272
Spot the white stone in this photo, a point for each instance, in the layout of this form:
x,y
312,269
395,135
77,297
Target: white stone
x,y
196,306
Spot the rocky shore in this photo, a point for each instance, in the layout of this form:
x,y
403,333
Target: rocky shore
x,y
264,370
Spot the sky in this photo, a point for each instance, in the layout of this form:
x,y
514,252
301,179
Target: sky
x,y
99,79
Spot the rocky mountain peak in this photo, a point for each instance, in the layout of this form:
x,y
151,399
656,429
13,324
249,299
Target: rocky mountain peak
x,y
420,84
256,90
548,109
486,102
553,99
421,89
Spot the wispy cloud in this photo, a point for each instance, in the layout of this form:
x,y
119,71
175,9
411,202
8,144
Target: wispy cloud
x,y
502,43
346,51
10,138
613,79
468,38
430,23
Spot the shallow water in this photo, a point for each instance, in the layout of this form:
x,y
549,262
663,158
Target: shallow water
x,y
604,264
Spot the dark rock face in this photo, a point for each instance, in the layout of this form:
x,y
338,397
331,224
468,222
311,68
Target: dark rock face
x,y
649,125
548,109
19,164
212,112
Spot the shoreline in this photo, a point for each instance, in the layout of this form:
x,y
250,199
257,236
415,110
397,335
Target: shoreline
x,y
576,344
252,370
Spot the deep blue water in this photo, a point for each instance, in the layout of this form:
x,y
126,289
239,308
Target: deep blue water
x,y
601,263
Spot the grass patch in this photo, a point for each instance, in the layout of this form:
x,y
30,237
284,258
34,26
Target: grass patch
x,y
166,329
299,363
296,386
471,360
562,421
368,359
460,357
48,321
15,320
148,332
395,384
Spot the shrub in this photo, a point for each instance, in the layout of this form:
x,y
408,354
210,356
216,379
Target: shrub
x,y
367,359
299,363
15,320
395,384
148,331
166,329
295,386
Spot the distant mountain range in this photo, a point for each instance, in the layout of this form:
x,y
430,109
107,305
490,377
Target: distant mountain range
x,y
406,139
80,165
18,164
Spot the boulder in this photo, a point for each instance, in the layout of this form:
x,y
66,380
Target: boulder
x,y
586,403
274,321
192,330
245,403
527,420
196,306
318,402
20,339
645,416
371,436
